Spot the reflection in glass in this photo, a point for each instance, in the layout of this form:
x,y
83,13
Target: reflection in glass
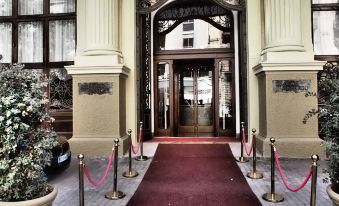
x,y
62,6
225,95
30,7
326,32
30,42
60,89
61,40
186,109
204,96
202,35
163,95
6,42
6,8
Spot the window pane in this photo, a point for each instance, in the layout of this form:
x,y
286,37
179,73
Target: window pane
x,y
197,34
30,42
6,8
325,1
60,89
6,42
61,40
62,6
163,95
225,95
326,32
30,7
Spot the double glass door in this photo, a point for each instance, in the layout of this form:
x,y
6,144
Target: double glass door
x,y
195,99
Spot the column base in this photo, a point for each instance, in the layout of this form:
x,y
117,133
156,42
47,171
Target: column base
x,y
292,147
97,146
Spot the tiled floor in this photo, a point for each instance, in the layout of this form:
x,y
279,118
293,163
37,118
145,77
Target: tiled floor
x,y
295,169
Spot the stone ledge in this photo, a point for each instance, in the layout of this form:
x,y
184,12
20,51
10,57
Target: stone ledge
x,y
292,147
97,146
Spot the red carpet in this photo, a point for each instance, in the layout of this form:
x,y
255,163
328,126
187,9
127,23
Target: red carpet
x,y
194,139
193,175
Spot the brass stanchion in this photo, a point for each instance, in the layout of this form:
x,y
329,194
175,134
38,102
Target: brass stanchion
x,y
81,179
130,173
272,196
254,174
141,157
115,194
315,159
242,159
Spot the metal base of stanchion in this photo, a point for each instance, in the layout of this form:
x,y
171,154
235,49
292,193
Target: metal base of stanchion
x,y
255,175
130,174
242,159
141,158
272,197
115,195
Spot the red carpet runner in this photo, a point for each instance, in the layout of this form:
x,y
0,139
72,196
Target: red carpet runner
x,y
194,175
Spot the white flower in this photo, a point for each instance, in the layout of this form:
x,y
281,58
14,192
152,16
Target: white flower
x,y
24,113
21,105
16,126
29,109
2,118
8,113
8,122
15,111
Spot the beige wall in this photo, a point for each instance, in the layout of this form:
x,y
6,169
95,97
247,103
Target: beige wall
x,y
128,47
253,9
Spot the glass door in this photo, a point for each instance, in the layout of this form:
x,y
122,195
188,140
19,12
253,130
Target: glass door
x,y
195,99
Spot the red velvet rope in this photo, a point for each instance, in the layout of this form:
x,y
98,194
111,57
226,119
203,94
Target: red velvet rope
x,y
136,151
103,178
309,174
244,143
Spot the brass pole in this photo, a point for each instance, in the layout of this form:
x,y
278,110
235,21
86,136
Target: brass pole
x,y
254,174
141,157
242,159
81,179
272,196
130,173
115,194
315,159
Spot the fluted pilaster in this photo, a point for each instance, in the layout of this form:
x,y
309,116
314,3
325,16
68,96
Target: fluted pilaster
x,y
102,27
282,25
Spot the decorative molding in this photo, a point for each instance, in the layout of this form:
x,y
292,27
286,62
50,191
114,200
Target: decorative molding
x,y
278,67
75,70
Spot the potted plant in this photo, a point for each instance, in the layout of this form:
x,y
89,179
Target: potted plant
x,y
328,114
26,139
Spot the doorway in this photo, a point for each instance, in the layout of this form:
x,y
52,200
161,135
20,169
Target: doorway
x,y
194,97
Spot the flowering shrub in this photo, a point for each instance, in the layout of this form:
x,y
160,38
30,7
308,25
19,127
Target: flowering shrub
x,y
25,137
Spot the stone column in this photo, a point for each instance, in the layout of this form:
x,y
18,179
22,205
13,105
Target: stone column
x,y
286,72
99,80
282,25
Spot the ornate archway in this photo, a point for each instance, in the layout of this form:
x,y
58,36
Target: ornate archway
x,y
144,47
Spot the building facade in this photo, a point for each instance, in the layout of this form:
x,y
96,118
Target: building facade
x,y
183,68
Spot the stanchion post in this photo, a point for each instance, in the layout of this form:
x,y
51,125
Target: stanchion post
x,y
141,157
242,159
315,159
272,196
81,180
115,194
254,174
130,173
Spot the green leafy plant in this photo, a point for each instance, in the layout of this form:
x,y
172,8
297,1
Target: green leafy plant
x,y
26,139
328,115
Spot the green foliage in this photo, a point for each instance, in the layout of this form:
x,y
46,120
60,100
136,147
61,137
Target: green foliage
x,y
25,137
328,114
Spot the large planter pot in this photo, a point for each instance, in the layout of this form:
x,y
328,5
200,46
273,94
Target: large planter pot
x,y
42,201
333,195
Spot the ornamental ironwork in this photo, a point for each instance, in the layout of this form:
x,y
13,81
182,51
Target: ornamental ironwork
x,y
60,90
